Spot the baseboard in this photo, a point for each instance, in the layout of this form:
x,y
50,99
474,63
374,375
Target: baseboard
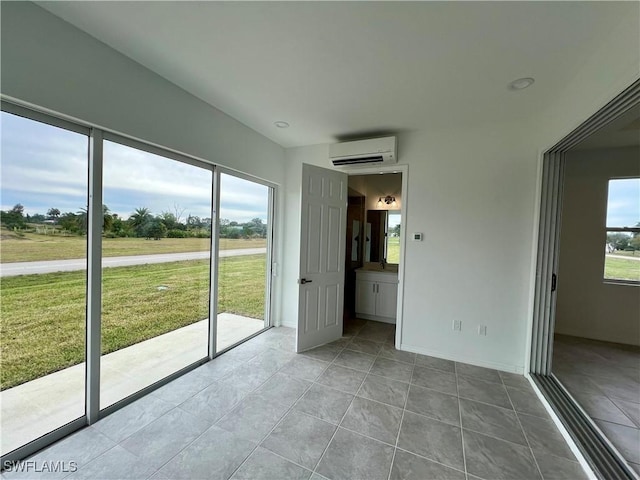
x,y
519,369
628,341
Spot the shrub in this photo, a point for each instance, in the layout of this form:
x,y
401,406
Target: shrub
x,y
175,233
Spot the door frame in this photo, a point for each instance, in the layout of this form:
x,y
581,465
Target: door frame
x,y
592,447
547,246
404,170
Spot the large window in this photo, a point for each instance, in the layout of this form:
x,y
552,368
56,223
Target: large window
x,y
156,268
622,248
43,251
108,282
242,259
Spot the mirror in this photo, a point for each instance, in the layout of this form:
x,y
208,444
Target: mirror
x,y
382,239
355,239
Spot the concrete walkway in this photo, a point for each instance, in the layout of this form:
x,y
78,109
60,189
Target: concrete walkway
x,y
51,266
32,409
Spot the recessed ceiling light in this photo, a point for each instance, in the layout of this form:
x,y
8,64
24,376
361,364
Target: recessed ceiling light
x,y
521,83
281,124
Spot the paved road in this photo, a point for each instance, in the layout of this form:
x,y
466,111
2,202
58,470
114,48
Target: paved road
x,y
50,266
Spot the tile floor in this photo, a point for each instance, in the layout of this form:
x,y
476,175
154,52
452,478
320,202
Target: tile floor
x,y
605,379
32,409
354,409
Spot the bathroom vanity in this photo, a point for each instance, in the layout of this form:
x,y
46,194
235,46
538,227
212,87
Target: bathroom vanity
x,y
377,293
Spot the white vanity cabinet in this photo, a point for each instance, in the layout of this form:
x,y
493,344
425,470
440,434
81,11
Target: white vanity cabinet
x,y
376,295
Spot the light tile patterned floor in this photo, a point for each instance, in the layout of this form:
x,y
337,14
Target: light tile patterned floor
x,y
355,409
605,379
39,406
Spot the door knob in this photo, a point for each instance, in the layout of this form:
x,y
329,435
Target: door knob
x,y
304,280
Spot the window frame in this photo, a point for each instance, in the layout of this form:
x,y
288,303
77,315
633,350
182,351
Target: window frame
x,y
97,135
608,229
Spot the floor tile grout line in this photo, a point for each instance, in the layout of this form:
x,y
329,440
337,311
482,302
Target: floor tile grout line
x,y
450,423
97,457
312,383
429,459
464,453
266,348
526,438
234,406
404,409
206,429
214,424
260,442
343,417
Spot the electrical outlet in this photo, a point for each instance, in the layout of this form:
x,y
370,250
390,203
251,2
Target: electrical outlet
x,y
457,325
482,330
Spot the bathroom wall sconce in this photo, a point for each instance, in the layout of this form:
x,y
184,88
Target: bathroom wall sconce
x,y
389,200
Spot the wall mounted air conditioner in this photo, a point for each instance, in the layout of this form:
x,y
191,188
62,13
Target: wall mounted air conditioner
x,y
375,151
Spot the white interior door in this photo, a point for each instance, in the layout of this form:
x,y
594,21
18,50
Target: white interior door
x,y
322,250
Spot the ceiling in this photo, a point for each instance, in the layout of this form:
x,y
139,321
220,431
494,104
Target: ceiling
x,y
336,70
624,131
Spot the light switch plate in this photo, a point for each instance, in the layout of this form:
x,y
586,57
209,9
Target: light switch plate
x,y
417,237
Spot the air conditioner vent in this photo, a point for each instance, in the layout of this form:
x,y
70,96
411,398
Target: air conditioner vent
x,y
379,151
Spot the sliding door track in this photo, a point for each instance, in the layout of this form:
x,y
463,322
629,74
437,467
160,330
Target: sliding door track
x,y
604,460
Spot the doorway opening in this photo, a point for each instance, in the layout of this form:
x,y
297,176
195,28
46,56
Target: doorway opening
x,y
584,348
373,252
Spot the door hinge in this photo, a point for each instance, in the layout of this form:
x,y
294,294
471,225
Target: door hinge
x,y
554,282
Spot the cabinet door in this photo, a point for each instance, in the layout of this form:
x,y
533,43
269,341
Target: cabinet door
x,y
365,297
387,300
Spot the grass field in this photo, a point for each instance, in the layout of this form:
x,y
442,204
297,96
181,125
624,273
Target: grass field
x,y
31,247
625,253
621,268
393,250
43,316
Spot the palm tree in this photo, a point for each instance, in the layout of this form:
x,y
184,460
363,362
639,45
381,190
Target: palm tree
x,y
107,218
83,218
139,219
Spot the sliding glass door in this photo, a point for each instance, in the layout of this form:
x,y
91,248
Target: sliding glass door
x,y
108,282
43,250
156,251
243,260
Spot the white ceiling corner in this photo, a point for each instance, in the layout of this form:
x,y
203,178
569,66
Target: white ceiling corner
x,y
332,69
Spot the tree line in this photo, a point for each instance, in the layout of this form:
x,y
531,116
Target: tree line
x,y
141,223
623,241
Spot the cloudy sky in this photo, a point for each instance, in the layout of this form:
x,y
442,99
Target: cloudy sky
x,y
623,209
45,167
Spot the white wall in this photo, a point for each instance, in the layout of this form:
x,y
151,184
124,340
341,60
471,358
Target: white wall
x,y
587,306
470,192
473,192
49,63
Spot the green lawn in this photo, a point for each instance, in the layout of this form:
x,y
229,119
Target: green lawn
x,y
30,247
393,250
626,253
43,316
621,268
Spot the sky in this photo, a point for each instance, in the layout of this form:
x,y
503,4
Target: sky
x,y
623,207
43,167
